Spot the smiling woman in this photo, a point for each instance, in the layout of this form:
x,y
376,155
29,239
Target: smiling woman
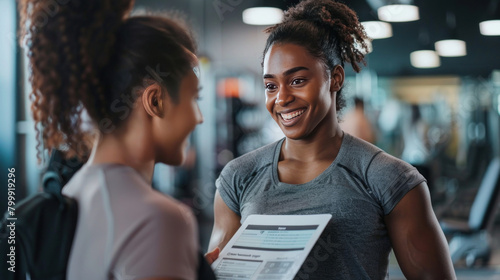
x,y
377,202
298,94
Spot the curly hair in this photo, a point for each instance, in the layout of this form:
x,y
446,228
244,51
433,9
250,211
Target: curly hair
x,y
89,57
329,30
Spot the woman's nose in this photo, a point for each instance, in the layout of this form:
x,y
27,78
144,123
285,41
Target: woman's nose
x,y
284,97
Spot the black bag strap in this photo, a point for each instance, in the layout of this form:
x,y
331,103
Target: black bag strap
x,y
59,172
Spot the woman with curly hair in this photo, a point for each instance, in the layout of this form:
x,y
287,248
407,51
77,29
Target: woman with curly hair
x,y
377,202
136,78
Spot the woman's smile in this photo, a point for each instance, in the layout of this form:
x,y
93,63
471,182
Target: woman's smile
x,y
291,117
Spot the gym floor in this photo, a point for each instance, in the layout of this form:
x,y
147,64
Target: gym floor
x,y
491,272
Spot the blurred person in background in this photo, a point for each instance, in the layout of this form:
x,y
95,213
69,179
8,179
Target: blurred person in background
x,y
137,80
357,124
378,202
417,146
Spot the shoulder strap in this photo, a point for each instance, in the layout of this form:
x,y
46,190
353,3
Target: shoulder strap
x,y
59,172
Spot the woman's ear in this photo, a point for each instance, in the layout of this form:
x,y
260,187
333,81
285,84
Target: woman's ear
x,y
152,100
337,78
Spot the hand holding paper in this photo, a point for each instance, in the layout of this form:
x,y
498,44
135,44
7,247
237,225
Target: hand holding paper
x,y
270,246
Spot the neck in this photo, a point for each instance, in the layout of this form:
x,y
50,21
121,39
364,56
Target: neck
x,y
125,150
322,144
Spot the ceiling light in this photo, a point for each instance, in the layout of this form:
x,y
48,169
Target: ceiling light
x,y
451,48
398,13
425,59
262,16
490,27
377,29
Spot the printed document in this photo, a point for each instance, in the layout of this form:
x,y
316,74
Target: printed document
x,y
270,247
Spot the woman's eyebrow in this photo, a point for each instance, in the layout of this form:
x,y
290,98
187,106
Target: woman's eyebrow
x,y
287,72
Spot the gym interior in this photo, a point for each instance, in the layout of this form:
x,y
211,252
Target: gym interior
x,y
440,114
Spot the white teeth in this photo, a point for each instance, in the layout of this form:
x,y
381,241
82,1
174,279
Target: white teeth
x,y
292,115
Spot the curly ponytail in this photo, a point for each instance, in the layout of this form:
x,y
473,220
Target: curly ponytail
x,y
85,55
68,43
329,30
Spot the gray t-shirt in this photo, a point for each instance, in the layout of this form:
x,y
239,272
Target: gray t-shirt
x,y
127,230
360,187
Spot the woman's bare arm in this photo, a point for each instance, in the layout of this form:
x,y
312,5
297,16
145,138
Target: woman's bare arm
x,y
226,224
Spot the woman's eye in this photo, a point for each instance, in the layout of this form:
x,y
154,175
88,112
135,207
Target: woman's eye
x,y
270,87
297,81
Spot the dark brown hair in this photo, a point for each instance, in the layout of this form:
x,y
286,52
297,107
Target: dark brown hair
x,y
89,56
328,30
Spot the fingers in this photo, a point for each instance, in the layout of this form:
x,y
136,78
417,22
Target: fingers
x,y
212,256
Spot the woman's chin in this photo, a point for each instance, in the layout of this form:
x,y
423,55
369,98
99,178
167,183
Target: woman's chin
x,y
295,135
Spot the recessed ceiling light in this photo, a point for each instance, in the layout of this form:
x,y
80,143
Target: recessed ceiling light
x,y
425,59
451,48
377,29
490,27
398,13
262,16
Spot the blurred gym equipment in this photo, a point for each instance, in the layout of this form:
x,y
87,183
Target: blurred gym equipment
x,y
472,239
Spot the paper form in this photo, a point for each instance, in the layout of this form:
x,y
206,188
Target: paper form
x,y
270,247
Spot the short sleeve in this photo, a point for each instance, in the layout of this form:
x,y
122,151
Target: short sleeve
x,y
391,179
226,185
165,245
